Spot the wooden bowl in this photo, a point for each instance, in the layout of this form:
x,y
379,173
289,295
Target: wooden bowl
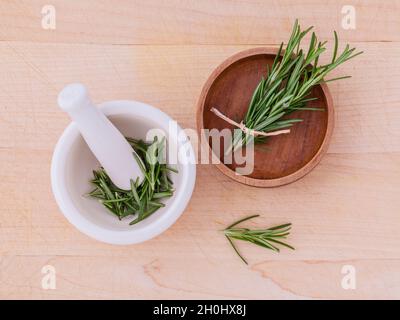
x,y
281,159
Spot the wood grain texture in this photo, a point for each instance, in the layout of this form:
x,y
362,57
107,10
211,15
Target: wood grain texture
x,y
346,212
194,22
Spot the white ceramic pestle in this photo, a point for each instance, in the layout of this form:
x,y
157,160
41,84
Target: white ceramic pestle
x,y
105,141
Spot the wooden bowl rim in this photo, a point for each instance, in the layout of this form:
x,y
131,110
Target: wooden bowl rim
x,y
301,172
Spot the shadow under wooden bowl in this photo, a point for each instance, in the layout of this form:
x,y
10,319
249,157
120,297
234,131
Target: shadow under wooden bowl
x,y
281,159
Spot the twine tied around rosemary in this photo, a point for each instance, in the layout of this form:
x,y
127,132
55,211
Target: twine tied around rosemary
x,y
243,127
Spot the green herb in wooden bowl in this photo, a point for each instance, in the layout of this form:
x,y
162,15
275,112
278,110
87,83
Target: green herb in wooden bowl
x,y
286,88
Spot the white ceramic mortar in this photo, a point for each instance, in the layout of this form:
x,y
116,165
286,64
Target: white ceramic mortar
x,y
72,166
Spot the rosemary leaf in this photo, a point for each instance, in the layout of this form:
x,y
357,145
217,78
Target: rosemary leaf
x,y
266,238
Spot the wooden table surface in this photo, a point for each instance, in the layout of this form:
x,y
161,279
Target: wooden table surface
x,y
345,213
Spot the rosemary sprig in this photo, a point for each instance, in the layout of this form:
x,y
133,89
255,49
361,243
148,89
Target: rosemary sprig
x,y
288,84
142,199
267,238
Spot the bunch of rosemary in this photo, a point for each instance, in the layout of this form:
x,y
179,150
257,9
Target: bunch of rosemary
x,y
266,238
143,199
287,86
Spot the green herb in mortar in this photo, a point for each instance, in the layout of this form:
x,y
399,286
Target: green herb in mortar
x,y
267,238
145,198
